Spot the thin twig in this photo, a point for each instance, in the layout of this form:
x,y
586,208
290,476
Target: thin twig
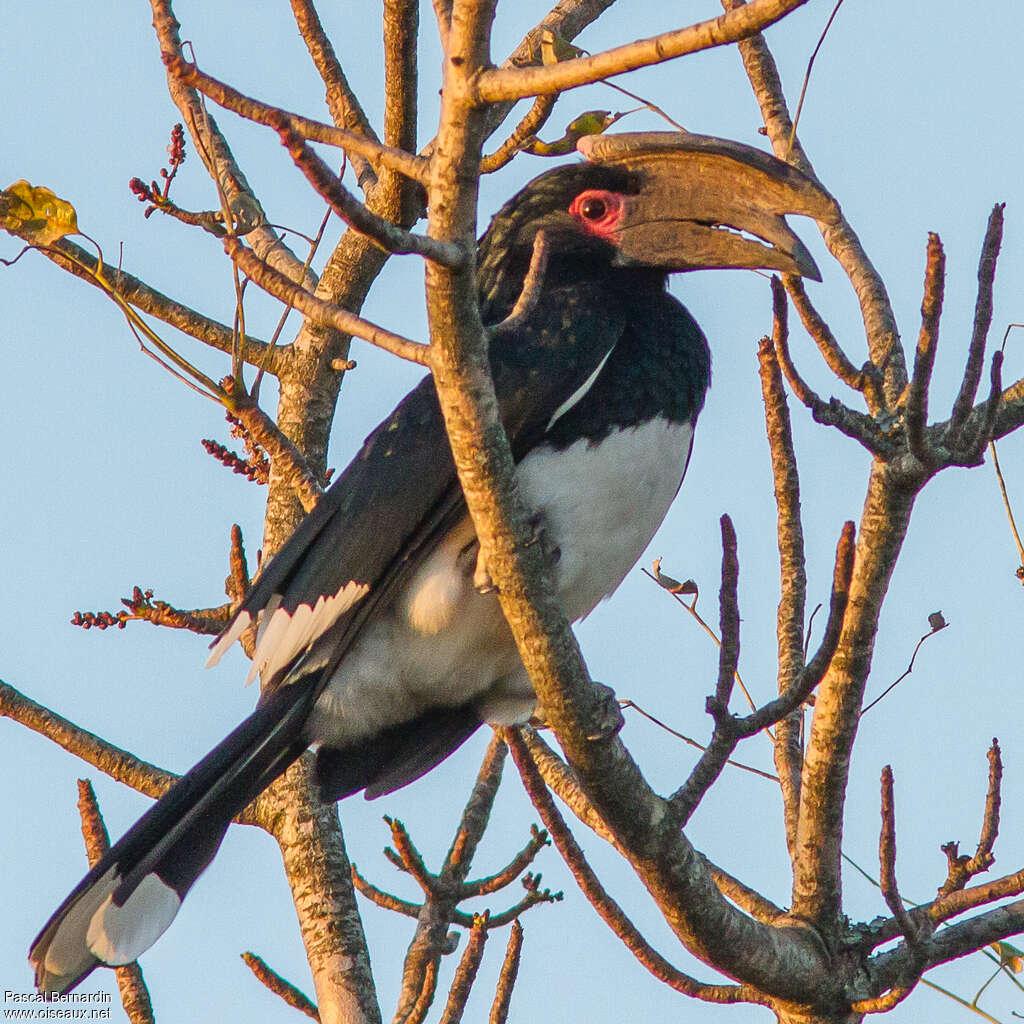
x,y
606,907
271,345
319,311
677,590
130,983
83,265
1009,511
293,996
532,284
509,84
887,859
532,122
982,322
924,358
941,624
692,742
465,973
807,76
316,131
387,235
792,571
507,978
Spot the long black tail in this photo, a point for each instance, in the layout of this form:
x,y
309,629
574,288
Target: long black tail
x,y
129,898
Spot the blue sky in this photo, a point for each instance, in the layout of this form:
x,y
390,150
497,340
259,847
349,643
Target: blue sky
x,y
912,121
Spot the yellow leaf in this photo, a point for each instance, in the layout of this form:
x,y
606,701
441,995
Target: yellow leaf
x,y
35,214
1009,956
673,586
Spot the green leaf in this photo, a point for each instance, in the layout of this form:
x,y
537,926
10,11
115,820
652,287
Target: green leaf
x,y
590,122
554,47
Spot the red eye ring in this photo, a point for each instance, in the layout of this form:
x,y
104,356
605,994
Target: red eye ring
x,y
598,211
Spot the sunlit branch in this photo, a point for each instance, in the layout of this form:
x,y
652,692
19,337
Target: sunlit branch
x,y
507,84
224,95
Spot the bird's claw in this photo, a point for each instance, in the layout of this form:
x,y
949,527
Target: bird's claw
x,y
539,535
610,719
482,582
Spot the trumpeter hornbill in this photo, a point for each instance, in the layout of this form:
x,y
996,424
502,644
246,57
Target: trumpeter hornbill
x,y
376,641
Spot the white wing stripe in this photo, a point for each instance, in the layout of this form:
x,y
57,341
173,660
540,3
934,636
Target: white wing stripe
x,y
578,393
287,635
225,640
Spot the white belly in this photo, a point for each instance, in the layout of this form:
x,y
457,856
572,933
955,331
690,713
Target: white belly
x,y
602,505
443,643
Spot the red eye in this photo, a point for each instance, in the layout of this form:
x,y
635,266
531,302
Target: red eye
x,y
598,211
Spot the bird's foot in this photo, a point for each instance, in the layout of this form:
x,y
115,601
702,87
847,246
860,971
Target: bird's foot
x,y
471,555
610,719
482,581
470,559
539,535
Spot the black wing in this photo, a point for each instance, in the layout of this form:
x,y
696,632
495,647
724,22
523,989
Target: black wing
x,y
400,494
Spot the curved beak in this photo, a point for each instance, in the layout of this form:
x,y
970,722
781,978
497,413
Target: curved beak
x,y
707,203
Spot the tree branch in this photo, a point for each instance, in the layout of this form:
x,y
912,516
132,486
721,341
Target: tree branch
x,y
384,900
119,764
508,84
445,889
730,730
532,123
507,978
793,582
401,98
963,869
876,310
320,876
887,860
610,912
850,422
465,974
317,309
864,380
130,983
279,986
285,457
86,267
947,944
817,887
350,210
342,102
351,142
518,864
982,322
924,360
215,153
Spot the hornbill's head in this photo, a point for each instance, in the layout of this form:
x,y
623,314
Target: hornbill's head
x,y
665,200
